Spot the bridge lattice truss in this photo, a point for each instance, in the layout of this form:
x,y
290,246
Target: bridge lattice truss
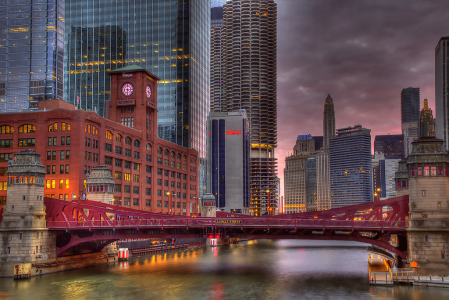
x,y
88,226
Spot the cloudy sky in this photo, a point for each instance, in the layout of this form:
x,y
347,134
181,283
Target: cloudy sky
x,y
362,53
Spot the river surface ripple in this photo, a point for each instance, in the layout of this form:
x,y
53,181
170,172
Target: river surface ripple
x,y
281,269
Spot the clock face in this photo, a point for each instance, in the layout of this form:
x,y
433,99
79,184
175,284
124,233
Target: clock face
x,y
148,91
127,89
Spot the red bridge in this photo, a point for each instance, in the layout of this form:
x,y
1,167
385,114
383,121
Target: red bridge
x,y
88,226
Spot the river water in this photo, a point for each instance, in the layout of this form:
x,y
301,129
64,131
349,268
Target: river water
x,y
282,269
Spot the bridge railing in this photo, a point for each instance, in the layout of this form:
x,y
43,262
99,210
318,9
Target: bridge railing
x,y
316,224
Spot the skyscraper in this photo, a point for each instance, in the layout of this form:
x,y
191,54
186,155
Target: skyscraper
x,y
410,131
217,3
216,60
391,145
328,122
350,166
249,82
410,104
170,39
31,53
426,121
441,90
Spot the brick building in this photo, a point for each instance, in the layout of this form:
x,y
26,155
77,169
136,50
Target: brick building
x,y
149,172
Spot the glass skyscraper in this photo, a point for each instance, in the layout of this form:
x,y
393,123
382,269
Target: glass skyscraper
x,y
350,167
31,52
169,38
410,104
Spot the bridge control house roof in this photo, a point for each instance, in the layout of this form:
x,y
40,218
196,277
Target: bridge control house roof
x,y
74,142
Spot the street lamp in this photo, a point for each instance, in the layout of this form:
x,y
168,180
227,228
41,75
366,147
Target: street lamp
x,y
269,203
169,204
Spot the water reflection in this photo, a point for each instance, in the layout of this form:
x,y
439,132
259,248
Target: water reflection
x,y
254,270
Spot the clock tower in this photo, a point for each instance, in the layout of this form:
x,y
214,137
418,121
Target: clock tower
x,y
134,99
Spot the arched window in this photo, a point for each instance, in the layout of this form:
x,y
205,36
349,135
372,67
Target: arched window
x,y
108,135
159,150
128,140
118,138
136,143
148,147
178,155
166,152
184,158
27,128
65,126
172,154
192,160
53,127
88,128
95,131
6,129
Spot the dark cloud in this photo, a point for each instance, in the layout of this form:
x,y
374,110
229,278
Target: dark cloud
x,y
362,52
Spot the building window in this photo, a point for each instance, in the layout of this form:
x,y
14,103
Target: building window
x,y
148,203
135,178
166,183
67,169
108,147
53,127
108,135
159,182
126,201
128,141
127,164
148,148
118,175
148,169
148,158
6,129
65,127
128,152
108,160
118,162
136,202
6,143
159,204
137,143
166,152
127,189
166,173
53,169
118,150
127,176
118,188
49,141
118,138
426,238
136,154
61,183
67,140
148,180
67,154
136,166
166,204
26,143
159,161
62,155
159,150
61,169
53,184
135,190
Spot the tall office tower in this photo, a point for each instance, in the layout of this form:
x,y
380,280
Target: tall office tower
x,y
392,146
426,121
31,53
387,170
228,154
169,38
410,131
328,122
350,166
306,180
410,104
216,60
441,90
249,44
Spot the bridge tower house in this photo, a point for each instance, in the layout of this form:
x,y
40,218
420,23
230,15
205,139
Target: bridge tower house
x,y
428,232
23,233
401,179
100,185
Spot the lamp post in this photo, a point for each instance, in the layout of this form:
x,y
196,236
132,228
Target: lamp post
x,y
269,203
169,203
